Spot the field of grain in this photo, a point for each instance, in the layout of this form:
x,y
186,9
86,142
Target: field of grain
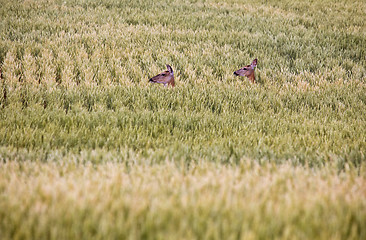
x,y
90,149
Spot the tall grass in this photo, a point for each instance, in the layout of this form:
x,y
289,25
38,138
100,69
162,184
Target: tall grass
x,y
90,149
104,42
220,123
65,200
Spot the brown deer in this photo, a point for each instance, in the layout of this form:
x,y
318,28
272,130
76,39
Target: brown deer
x,y
166,78
247,71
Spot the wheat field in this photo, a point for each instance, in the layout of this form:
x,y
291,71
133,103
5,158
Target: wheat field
x,y
89,149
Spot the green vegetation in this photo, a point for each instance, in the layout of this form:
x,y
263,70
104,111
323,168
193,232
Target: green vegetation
x,y
217,123
90,149
63,200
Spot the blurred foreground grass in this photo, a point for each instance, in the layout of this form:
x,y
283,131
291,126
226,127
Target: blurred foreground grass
x,y
64,200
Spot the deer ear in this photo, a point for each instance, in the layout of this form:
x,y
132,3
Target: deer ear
x,y
169,68
254,63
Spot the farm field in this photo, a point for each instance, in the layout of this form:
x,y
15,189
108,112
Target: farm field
x,y
89,149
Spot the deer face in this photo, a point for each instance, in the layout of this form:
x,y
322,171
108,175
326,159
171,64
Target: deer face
x,y
166,78
247,71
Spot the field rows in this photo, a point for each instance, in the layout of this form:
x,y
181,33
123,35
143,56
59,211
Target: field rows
x,y
104,42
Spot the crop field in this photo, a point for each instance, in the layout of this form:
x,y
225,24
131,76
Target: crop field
x,y
89,149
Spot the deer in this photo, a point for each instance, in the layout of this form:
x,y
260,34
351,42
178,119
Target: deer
x,y
166,77
247,71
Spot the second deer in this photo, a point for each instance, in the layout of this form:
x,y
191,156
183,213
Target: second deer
x,y
247,71
166,78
